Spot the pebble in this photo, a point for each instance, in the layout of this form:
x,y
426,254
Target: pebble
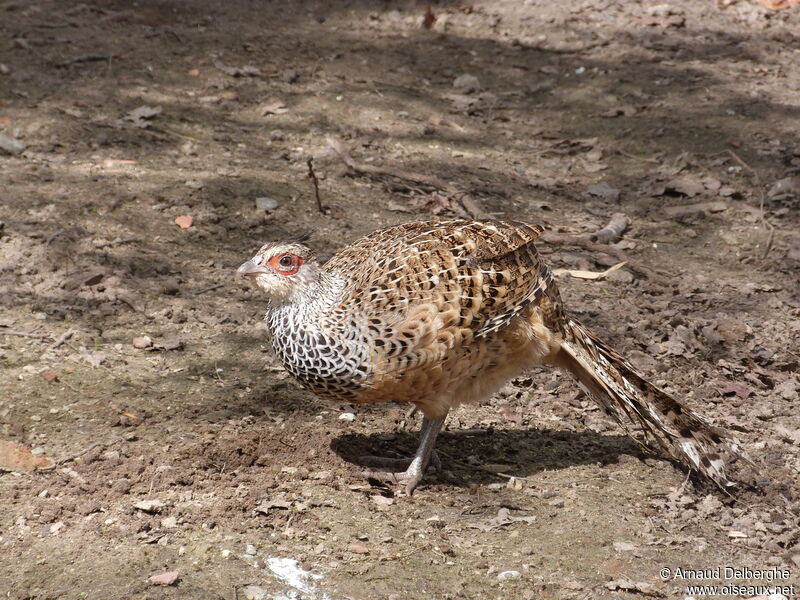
x,y
348,416
466,84
624,547
382,500
169,522
166,578
142,342
250,549
266,203
254,592
358,548
504,575
10,145
149,506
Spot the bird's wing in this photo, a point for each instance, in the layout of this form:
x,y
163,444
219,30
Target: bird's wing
x,y
422,288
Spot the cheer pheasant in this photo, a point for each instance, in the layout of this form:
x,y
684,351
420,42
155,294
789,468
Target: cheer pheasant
x,y
440,313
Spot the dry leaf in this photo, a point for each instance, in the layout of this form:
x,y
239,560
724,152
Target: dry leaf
x,y
588,274
16,457
139,116
184,221
50,375
779,4
166,578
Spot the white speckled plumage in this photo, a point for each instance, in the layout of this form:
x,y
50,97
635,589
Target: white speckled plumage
x,y
440,313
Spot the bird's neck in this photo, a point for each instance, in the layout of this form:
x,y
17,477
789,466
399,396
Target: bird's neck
x,y
309,302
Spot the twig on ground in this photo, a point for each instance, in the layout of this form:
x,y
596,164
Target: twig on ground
x,y
427,182
72,457
117,242
24,333
641,158
86,58
764,222
572,240
210,288
313,176
62,338
612,232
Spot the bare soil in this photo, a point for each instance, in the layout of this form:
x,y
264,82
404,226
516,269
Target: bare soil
x,y
198,455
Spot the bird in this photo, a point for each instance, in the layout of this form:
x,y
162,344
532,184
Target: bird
x,y
444,313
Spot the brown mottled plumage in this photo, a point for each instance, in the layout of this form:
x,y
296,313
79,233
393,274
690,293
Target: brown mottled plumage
x,y
440,313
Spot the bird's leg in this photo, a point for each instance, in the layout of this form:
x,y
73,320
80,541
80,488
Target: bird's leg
x,y
424,455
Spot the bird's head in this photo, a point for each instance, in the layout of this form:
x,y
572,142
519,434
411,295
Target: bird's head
x,y
282,269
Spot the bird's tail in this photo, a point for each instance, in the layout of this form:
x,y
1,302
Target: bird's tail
x,y
629,398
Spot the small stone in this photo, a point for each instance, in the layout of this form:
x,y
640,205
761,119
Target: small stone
x,y
603,190
382,500
56,528
266,203
166,578
149,506
467,84
504,575
557,502
254,592
620,276
10,145
184,221
624,547
358,548
784,189
348,416
142,342
250,549
169,522
291,76
733,534
49,375
110,455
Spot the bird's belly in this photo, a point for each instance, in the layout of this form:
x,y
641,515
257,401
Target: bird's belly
x,y
466,373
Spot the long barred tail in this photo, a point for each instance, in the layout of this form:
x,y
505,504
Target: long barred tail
x,y
628,397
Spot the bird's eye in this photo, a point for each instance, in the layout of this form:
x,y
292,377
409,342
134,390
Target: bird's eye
x,y
286,264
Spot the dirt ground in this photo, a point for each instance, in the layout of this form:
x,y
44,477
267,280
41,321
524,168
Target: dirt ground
x,y
192,456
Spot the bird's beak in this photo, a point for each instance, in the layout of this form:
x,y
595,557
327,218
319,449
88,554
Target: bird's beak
x,y
251,269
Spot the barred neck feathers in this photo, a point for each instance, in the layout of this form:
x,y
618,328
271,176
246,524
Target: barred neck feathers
x,y
323,348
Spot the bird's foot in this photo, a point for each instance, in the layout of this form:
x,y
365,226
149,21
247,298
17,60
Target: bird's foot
x,y
398,464
410,478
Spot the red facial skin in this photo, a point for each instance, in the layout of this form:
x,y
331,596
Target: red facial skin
x,y
285,264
